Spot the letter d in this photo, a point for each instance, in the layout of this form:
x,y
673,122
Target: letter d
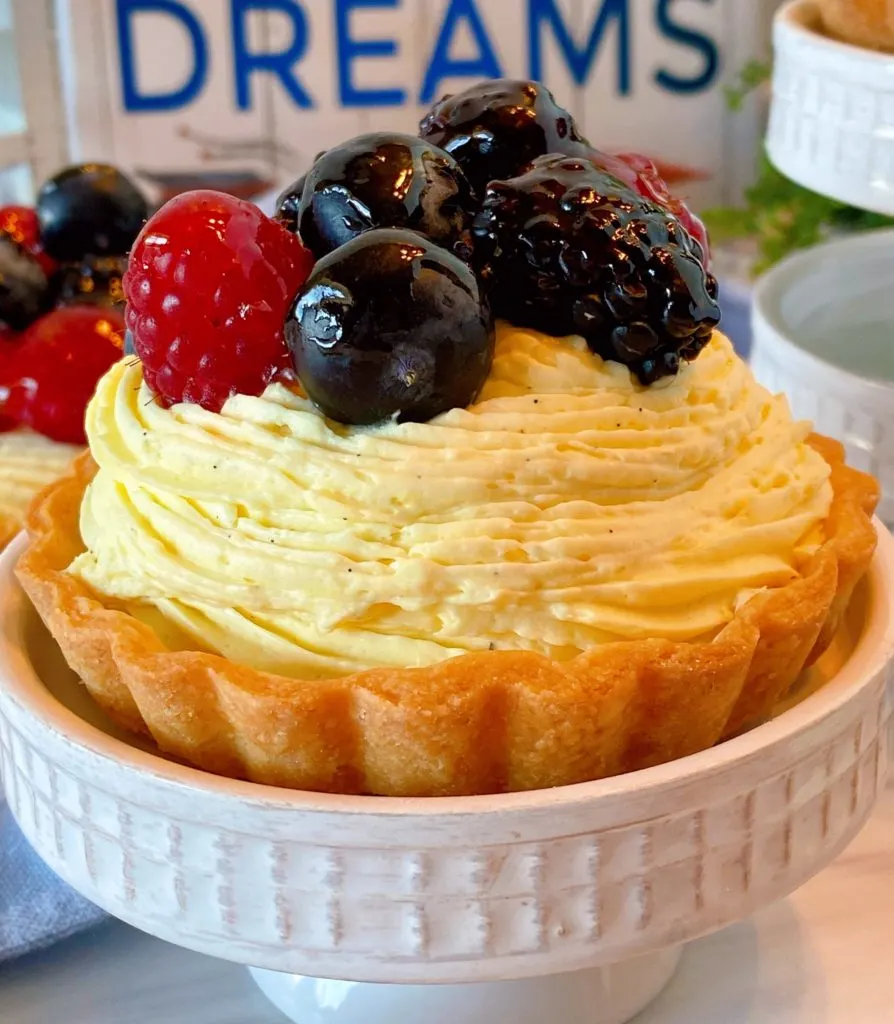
x,y
136,101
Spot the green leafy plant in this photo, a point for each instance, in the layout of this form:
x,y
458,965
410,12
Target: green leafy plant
x,y
755,74
781,216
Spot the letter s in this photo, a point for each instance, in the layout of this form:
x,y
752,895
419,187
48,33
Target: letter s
x,y
702,44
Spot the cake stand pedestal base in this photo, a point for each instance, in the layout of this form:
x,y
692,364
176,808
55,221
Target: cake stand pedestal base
x,y
605,995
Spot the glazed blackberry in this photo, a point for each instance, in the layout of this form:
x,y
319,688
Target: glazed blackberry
x,y
95,281
384,180
567,248
496,128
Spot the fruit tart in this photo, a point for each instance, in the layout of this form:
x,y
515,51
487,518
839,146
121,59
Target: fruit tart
x,y
61,321
443,481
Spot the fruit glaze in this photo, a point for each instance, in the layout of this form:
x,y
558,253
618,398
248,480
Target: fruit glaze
x,y
377,283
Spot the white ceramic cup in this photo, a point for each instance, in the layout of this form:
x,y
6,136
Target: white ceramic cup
x,y
824,334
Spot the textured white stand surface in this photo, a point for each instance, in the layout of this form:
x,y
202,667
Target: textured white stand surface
x,y
815,958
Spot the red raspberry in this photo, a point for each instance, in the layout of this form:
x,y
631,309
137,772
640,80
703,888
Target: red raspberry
x,y
617,167
20,225
210,282
50,375
6,350
649,183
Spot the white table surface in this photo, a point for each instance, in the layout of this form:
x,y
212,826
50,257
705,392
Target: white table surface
x,y
820,957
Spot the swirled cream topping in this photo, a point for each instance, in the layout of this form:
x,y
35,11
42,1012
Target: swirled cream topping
x,y
28,462
568,507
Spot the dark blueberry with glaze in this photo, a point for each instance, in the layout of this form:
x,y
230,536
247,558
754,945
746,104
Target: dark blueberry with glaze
x,y
384,180
390,325
91,209
289,200
24,291
289,203
495,128
567,248
95,281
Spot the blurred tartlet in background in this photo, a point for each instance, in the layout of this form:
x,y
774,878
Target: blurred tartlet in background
x,y
61,321
868,23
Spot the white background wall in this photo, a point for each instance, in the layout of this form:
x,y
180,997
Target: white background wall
x,y
85,119
32,132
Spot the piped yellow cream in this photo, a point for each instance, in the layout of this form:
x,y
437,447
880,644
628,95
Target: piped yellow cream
x,y
28,462
568,507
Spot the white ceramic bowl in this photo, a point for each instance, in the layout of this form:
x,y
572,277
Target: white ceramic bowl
x,y
823,324
607,878
832,114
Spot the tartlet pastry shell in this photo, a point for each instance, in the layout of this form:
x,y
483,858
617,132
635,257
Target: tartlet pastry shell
x,y
9,527
479,723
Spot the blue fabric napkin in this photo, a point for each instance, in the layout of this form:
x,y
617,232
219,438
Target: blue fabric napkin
x,y
36,908
735,301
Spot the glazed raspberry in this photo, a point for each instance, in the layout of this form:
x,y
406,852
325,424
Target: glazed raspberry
x,y
52,372
20,225
210,282
6,350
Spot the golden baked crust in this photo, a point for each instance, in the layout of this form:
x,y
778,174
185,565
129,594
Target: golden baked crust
x,y
9,527
478,723
868,23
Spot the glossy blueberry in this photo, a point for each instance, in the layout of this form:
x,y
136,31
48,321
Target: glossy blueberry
x,y
90,210
390,325
289,200
384,180
494,129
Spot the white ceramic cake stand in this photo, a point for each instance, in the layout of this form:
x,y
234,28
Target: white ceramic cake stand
x,y
567,906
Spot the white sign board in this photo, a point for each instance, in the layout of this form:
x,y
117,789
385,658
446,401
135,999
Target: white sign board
x,y
243,93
